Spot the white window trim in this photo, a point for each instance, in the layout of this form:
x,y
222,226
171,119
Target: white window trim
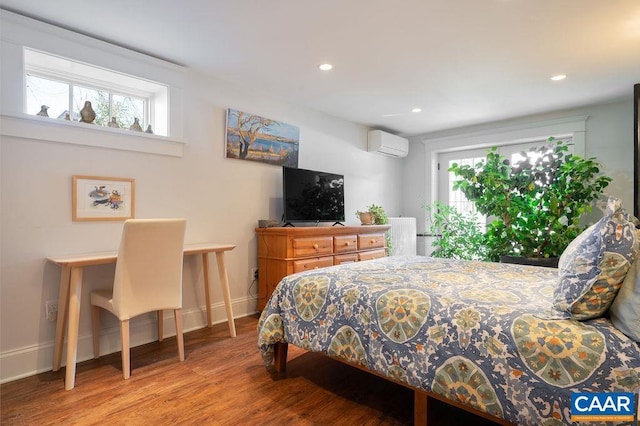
x,y
78,74
18,31
70,132
575,127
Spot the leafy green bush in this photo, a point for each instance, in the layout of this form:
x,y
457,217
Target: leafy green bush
x,y
459,236
537,204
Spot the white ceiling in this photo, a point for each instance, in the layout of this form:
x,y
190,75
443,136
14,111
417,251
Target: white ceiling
x,y
462,61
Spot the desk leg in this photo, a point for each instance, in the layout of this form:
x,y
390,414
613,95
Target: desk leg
x,y
207,291
75,288
63,302
224,282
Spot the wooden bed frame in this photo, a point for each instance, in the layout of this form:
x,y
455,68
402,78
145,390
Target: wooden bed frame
x,y
420,397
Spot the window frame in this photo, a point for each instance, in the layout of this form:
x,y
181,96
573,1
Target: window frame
x,y
32,67
573,127
507,150
19,32
71,83
445,183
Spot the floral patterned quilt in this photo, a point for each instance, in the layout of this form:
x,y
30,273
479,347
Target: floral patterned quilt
x,y
465,330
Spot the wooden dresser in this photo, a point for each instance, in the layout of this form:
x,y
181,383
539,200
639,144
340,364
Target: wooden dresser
x,y
284,251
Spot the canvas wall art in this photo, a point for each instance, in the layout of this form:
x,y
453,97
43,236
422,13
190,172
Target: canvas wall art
x,y
102,198
254,138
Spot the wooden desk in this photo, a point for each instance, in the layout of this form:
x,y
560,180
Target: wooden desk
x,y
71,286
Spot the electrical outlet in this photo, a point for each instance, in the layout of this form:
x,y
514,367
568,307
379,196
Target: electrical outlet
x,y
51,310
254,273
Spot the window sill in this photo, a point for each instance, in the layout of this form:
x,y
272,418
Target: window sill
x,y
53,130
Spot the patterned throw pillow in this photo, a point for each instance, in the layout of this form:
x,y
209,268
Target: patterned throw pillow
x,y
625,309
593,266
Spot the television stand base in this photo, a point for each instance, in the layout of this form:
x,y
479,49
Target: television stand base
x,y
306,224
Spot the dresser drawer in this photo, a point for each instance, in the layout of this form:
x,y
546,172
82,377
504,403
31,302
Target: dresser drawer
x,y
372,254
345,243
285,250
368,241
314,263
312,246
345,258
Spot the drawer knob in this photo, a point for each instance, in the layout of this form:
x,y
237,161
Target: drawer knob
x,y
348,243
373,241
315,246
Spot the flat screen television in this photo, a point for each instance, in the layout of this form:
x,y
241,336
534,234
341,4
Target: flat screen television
x,y
312,196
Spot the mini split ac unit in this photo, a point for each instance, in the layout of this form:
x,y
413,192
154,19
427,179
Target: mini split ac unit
x,y
387,144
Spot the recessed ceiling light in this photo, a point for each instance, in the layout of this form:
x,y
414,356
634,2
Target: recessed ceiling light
x,y
416,110
325,67
558,77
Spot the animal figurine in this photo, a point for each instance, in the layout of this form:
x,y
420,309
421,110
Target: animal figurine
x,y
43,111
87,114
113,123
136,125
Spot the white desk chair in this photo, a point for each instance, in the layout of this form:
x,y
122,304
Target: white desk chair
x,y
148,278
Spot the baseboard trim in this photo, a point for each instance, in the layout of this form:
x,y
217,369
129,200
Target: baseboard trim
x,y
31,360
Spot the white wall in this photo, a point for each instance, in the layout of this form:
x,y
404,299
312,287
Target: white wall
x,y
608,138
221,198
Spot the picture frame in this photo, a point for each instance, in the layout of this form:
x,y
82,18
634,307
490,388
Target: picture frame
x,y
636,150
254,138
97,198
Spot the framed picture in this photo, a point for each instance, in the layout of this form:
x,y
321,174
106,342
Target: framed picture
x,y
102,198
636,150
254,138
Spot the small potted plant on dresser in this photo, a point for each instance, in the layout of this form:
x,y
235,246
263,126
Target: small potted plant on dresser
x,y
366,218
535,205
375,215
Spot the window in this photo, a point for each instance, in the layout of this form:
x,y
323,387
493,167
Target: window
x,y
456,198
515,152
118,100
44,65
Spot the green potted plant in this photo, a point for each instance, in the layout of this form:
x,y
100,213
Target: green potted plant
x,y
375,215
535,205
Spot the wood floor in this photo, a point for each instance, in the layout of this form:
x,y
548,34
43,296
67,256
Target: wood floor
x,y
222,382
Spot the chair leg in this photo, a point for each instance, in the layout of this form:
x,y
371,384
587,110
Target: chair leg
x,y
160,325
177,313
95,322
124,339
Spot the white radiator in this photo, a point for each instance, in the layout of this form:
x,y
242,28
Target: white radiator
x,y
403,236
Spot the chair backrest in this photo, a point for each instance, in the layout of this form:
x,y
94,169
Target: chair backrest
x,y
149,267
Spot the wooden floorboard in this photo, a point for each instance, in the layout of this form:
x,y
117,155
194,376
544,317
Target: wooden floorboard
x,y
221,382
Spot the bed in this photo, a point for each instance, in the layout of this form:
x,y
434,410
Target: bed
x,y
475,334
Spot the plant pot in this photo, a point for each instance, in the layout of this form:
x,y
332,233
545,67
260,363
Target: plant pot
x,y
366,218
547,262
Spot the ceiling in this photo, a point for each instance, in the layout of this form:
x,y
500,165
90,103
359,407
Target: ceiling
x,y
462,62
